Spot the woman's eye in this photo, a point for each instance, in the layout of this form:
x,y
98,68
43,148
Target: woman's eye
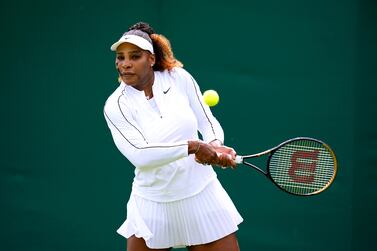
x,y
120,57
134,57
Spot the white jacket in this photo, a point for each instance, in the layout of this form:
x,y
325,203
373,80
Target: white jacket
x,y
155,140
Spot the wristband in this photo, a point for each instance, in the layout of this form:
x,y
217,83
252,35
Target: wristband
x,y
197,149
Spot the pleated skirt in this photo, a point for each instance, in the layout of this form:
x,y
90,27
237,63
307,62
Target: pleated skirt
x,y
206,217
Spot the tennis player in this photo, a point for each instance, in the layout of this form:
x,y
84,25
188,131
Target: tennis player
x,y
154,116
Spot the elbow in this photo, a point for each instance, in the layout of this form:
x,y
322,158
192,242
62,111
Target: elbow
x,y
138,159
140,163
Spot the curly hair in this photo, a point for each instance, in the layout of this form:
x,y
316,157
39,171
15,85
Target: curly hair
x,y
165,59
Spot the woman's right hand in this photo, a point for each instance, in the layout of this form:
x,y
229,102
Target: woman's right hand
x,y
206,154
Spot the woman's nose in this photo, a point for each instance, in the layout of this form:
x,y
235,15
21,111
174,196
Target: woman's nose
x,y
124,64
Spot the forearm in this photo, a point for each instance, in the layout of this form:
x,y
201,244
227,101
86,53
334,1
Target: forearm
x,y
153,155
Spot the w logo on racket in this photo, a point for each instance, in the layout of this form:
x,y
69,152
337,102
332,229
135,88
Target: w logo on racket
x,y
303,165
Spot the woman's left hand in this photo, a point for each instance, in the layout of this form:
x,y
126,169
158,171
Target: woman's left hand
x,y
227,155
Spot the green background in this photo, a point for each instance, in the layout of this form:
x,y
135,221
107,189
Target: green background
x,y
282,68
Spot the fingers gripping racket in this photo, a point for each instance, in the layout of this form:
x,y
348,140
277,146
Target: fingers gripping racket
x,y
299,166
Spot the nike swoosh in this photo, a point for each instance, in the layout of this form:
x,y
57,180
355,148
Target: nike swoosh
x,y
166,91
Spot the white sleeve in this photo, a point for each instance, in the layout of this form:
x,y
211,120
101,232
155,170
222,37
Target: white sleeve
x,y
208,125
132,144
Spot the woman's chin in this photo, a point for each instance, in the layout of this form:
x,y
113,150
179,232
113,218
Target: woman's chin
x,y
128,81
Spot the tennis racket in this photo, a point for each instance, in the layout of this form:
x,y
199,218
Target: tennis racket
x,y
299,166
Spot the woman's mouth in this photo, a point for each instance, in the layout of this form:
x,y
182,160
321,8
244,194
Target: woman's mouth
x,y
126,74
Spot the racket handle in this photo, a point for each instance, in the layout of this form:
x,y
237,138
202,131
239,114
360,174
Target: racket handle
x,y
239,159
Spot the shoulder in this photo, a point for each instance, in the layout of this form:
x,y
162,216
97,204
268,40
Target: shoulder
x,y
181,72
176,72
113,100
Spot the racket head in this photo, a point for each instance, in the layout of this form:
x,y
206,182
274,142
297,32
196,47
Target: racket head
x,y
302,166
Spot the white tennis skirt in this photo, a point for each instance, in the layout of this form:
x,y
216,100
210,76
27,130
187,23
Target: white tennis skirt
x,y
208,216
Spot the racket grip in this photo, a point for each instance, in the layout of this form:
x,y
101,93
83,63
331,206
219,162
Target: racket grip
x,y
239,159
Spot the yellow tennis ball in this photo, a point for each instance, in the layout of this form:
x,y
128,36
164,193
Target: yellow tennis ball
x,y
211,98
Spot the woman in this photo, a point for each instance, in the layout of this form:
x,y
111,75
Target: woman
x,y
154,117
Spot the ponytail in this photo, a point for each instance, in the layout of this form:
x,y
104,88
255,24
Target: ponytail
x,y
165,59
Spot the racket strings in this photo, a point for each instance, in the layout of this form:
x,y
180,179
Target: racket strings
x,y
302,167
306,182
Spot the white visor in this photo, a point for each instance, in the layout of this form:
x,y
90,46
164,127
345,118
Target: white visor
x,y
140,42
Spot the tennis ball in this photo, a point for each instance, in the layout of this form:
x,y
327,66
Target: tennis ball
x,y
211,98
